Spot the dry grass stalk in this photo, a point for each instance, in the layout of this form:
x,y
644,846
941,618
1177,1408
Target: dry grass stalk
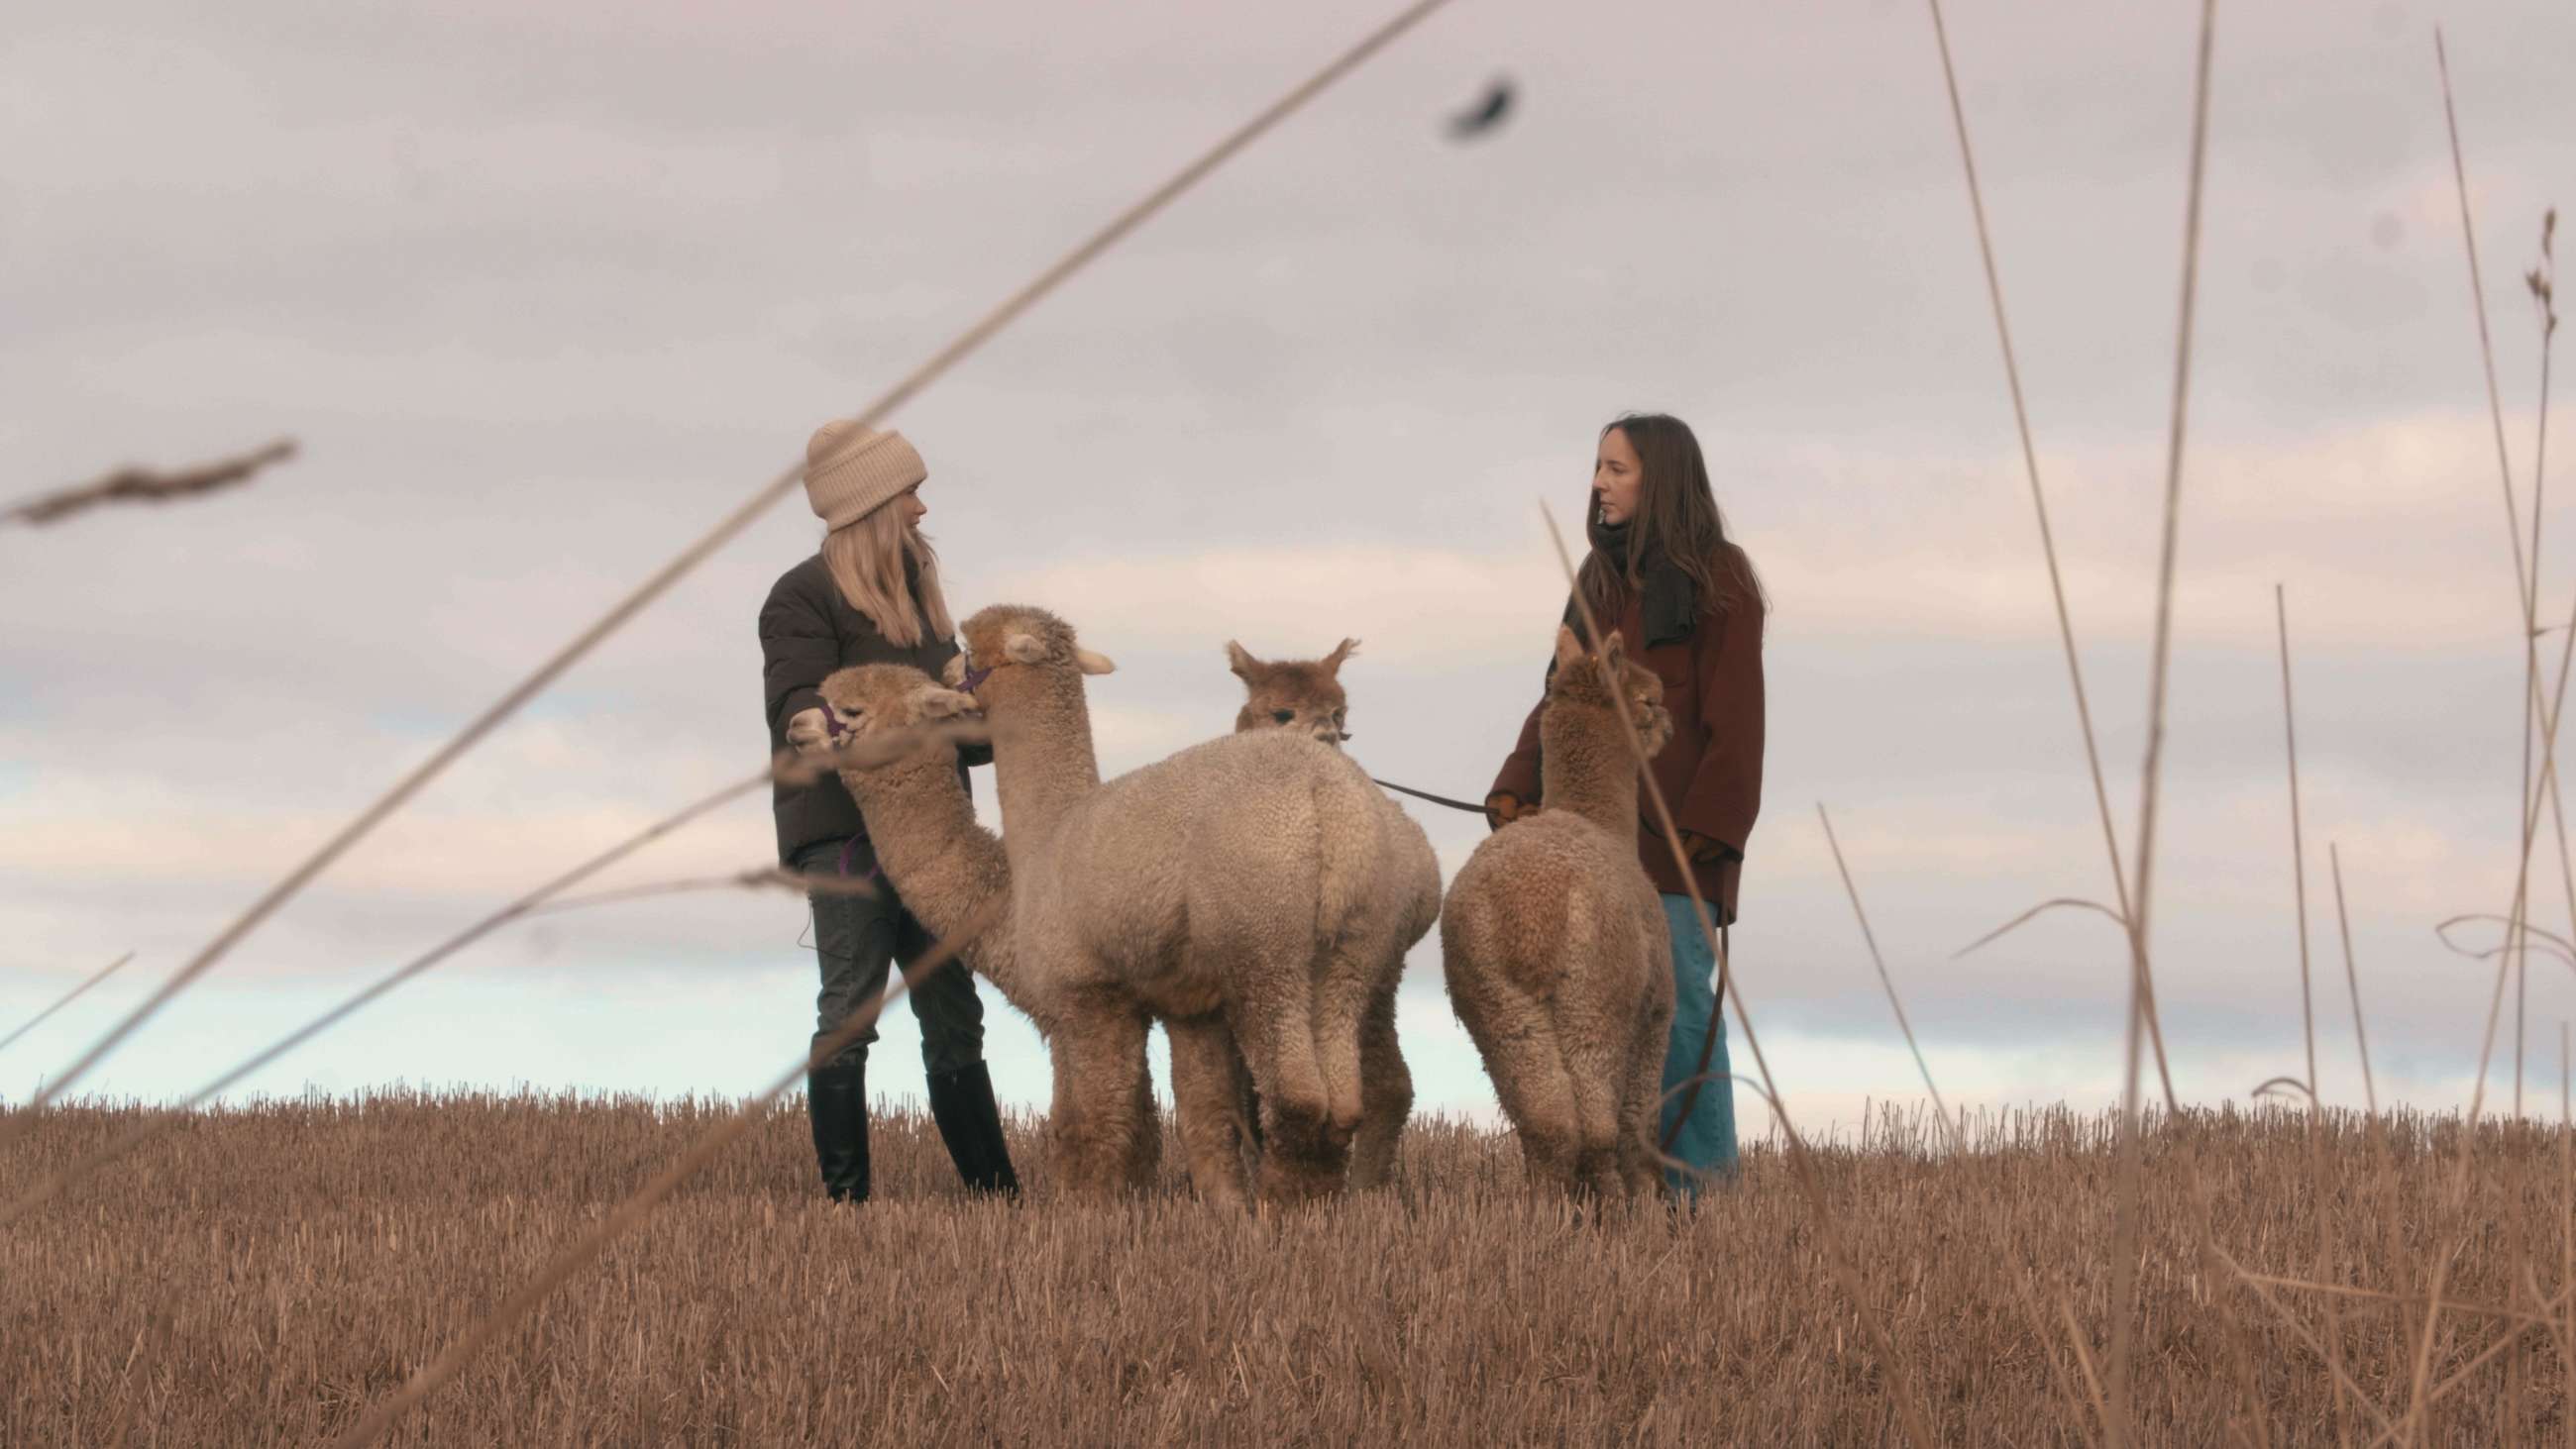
x,y
2352,982
2124,1234
146,485
2537,281
778,487
1879,961
2566,1210
1902,1396
758,877
2326,1266
95,977
2298,843
2527,803
631,1212
2532,714
2047,535
152,1128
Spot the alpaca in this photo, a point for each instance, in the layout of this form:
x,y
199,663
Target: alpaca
x,y
1555,945
1229,890
1293,694
948,868
1303,697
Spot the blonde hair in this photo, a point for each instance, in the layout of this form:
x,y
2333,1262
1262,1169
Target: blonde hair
x,y
869,559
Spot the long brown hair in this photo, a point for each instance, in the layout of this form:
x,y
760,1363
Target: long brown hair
x,y
889,572
1676,516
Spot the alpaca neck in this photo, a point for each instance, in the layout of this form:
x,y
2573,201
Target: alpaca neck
x,y
948,868
1585,769
1042,753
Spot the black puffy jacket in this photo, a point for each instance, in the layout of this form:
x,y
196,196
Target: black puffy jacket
x,y
807,630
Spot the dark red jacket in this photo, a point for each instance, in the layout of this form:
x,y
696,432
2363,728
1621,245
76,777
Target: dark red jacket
x,y
1711,773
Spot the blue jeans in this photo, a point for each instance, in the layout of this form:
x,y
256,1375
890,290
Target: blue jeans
x,y
1707,1140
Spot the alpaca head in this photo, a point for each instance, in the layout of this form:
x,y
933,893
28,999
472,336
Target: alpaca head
x,y
1002,639
1584,680
1301,696
877,700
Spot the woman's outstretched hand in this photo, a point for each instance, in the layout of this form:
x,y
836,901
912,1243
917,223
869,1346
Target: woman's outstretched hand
x,y
806,732
1502,808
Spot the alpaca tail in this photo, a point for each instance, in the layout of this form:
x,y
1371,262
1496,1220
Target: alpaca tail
x,y
1347,853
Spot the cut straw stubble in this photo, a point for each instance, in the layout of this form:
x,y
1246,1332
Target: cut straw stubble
x,y
630,1213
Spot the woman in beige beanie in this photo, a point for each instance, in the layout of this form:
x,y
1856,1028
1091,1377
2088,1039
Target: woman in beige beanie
x,y
870,595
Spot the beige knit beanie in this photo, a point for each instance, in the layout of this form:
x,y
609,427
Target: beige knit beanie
x,y
851,471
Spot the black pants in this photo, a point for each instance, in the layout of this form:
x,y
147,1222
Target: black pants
x,y
856,938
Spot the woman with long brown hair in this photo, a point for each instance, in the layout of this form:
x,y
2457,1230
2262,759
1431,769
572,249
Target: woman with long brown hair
x,y
869,595
1663,573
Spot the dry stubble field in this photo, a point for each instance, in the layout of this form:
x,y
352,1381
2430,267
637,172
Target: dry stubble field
x,y
262,1274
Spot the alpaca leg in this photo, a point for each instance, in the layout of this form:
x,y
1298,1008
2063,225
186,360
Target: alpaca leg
x,y
1596,1040
1344,993
1537,1094
1641,1105
1247,1105
1386,1094
1144,1167
1302,1156
1205,1086
1096,1121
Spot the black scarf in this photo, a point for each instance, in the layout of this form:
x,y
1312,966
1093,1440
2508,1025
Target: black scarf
x,y
1671,603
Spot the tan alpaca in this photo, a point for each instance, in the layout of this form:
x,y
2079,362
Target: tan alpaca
x,y
1555,944
1305,697
948,869
1230,890
1301,695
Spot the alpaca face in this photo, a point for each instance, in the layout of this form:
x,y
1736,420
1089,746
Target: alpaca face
x,y
877,700
1007,636
1582,679
1301,696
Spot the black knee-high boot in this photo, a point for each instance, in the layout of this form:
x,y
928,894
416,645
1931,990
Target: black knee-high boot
x,y
836,1099
970,1122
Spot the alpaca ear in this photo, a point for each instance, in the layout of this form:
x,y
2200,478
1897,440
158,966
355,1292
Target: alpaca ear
x,y
1240,660
1024,649
931,702
1341,651
1569,650
1090,663
1615,652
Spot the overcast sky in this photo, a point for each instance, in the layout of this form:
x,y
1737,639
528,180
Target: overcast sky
x,y
545,290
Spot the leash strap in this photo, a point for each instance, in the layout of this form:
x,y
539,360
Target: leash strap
x,y
874,871
1427,795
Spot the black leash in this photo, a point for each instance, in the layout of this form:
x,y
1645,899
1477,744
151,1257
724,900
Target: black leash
x,y
1427,795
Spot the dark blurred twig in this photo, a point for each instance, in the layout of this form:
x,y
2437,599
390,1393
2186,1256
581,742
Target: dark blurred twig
x,y
146,485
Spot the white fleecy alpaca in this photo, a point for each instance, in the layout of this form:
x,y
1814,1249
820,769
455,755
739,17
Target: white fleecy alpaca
x,y
1230,889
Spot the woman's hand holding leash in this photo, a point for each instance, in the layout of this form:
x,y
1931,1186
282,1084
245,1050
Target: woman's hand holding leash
x,y
806,731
